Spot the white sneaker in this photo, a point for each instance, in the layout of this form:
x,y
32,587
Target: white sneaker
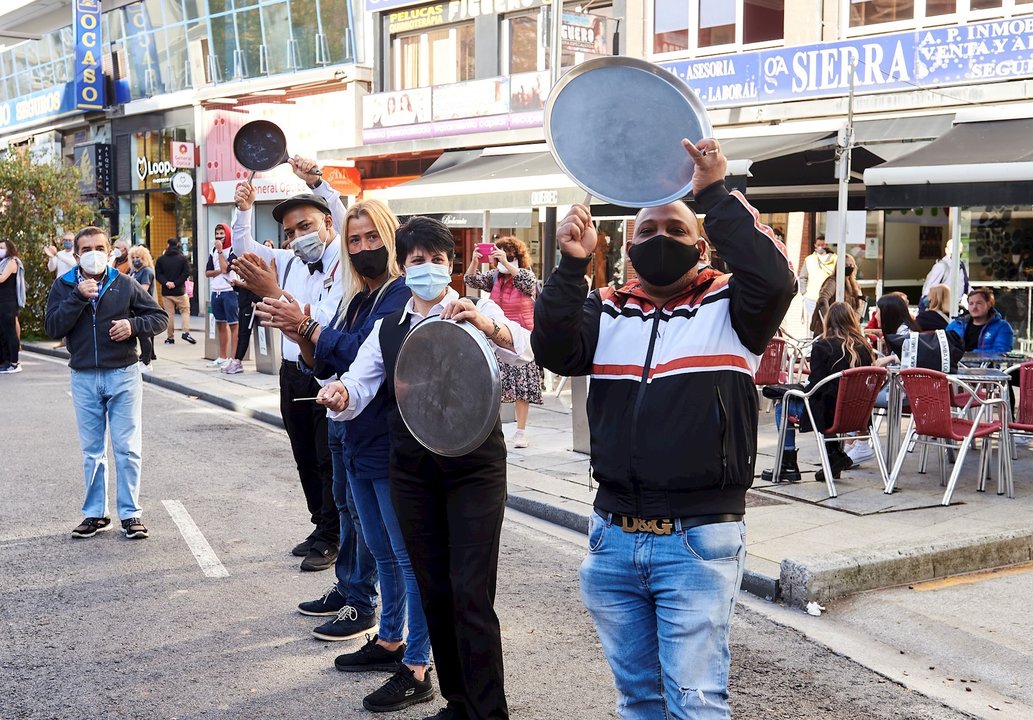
x,y
145,368
218,362
520,439
233,367
860,452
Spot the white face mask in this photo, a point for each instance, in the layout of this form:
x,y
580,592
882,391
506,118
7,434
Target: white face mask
x,y
3,252
93,262
309,248
503,269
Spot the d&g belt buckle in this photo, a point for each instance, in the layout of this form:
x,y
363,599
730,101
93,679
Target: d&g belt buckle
x,y
657,527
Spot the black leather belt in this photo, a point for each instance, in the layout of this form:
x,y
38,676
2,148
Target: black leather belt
x,y
665,526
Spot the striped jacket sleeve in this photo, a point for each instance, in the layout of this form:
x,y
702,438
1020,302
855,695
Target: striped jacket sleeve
x,y
762,283
566,324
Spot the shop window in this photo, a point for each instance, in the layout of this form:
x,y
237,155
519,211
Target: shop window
x,y
934,8
440,56
985,4
526,51
677,24
873,12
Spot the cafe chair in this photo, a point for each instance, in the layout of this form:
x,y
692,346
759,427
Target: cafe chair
x,y
855,401
1023,423
772,370
933,423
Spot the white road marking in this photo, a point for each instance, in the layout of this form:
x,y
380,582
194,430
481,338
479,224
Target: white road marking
x,y
206,557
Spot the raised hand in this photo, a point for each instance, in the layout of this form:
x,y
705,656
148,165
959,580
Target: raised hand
x,y
711,165
257,276
244,196
307,170
576,235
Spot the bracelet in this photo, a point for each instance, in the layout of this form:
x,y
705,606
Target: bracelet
x,y
311,329
496,331
303,325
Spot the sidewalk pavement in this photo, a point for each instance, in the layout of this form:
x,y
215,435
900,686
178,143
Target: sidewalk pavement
x,y
801,545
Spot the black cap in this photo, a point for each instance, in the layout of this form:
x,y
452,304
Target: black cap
x,y
303,199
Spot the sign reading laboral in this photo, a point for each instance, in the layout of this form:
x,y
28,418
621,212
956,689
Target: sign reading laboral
x,y
89,80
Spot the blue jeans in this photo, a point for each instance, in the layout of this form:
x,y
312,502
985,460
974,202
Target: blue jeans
x,y
110,399
662,606
398,588
355,567
796,410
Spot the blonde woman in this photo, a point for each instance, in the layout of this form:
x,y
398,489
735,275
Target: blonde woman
x,y
937,315
141,269
360,449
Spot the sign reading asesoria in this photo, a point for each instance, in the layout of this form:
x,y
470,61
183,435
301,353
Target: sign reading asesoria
x,y
89,80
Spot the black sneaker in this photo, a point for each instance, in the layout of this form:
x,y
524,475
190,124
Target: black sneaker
x,y
91,526
188,338
302,548
11,368
322,556
133,529
371,657
401,691
330,604
170,341
347,625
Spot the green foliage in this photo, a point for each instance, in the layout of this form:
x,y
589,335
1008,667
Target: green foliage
x,y
37,203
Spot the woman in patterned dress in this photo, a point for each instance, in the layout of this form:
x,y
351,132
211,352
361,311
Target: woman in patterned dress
x,y
513,287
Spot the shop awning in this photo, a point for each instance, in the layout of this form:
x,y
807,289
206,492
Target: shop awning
x,y
474,181
890,138
974,163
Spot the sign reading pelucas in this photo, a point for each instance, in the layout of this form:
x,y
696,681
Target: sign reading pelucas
x,y
996,50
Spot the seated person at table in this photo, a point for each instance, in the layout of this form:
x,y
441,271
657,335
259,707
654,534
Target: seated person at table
x,y
983,330
936,316
841,346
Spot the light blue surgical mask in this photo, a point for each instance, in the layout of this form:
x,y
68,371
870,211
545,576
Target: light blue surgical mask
x,y
428,280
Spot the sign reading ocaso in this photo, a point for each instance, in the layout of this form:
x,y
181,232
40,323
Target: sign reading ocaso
x,y
89,80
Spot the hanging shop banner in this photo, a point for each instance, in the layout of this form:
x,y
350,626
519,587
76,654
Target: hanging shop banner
x,y
584,33
95,168
89,80
936,57
40,105
474,98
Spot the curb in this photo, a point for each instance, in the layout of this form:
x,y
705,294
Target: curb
x,y
836,575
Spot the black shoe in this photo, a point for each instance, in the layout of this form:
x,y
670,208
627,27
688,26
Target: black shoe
x,y
347,625
186,336
371,657
91,526
330,604
321,557
133,529
790,470
401,691
449,712
838,462
302,548
170,341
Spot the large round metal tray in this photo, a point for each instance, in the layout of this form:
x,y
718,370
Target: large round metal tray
x,y
447,386
615,125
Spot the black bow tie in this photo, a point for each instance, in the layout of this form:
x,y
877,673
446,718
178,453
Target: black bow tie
x,y
316,266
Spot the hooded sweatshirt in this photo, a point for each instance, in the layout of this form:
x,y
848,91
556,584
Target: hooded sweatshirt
x,y
173,267
224,281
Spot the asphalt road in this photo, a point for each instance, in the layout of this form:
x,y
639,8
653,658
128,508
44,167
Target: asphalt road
x,y
135,629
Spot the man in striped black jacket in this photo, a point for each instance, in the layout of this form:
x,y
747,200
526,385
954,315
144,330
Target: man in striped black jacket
x,y
673,416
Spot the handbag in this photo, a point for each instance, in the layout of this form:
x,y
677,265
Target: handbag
x,y
777,392
188,288
940,350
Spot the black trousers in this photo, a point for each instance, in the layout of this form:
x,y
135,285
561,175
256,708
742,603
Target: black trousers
x,y
307,429
451,521
8,332
245,311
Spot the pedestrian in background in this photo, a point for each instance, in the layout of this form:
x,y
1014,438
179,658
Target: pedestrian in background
x,y
852,296
939,274
100,312
512,286
246,301
142,270
172,270
223,296
60,258
936,315
673,418
120,256
12,299
818,267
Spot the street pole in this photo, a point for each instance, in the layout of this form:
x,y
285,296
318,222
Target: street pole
x,y
846,143
555,59
955,270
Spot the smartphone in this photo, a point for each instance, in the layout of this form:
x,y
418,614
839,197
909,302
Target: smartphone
x,y
484,250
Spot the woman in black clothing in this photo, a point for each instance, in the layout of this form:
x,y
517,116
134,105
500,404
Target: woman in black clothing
x,y
936,317
842,346
12,297
894,316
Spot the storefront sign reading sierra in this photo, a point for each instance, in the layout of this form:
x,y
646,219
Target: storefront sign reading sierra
x,y
964,54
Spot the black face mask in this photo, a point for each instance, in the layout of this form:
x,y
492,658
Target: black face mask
x,y
848,270
661,260
370,263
